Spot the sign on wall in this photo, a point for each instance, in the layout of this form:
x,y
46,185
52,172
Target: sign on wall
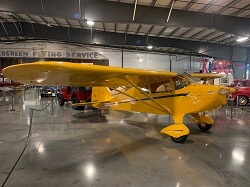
x,y
10,53
209,65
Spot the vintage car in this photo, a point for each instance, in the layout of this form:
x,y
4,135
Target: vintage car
x,y
242,93
47,91
74,94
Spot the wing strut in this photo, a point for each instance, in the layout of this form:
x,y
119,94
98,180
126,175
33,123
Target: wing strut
x,y
126,78
138,99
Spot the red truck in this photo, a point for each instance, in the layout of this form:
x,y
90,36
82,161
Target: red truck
x,y
74,94
242,92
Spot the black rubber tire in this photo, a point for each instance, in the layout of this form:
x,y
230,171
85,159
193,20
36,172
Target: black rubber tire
x,y
243,100
181,139
75,100
61,100
99,112
206,127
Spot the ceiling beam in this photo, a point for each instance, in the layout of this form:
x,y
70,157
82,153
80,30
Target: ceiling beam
x,y
82,36
217,38
187,32
107,11
232,3
68,23
153,2
32,19
174,31
198,33
103,25
208,35
211,3
150,30
162,31
190,4
138,30
3,19
60,24
245,8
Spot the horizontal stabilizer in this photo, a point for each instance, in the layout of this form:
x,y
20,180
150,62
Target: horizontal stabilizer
x,y
88,103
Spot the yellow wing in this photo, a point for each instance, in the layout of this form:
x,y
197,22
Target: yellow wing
x,y
206,75
74,74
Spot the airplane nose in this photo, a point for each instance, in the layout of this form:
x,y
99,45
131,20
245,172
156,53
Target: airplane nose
x,y
223,91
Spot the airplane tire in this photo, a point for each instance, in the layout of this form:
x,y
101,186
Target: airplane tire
x,y
181,139
206,127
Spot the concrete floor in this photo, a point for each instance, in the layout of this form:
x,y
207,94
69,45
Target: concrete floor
x,y
79,148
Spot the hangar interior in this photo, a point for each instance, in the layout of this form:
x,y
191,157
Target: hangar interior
x,y
47,142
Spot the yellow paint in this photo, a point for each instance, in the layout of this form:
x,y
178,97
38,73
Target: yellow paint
x,y
143,93
202,119
176,130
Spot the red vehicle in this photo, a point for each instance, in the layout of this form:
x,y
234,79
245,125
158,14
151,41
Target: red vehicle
x,y
242,91
74,94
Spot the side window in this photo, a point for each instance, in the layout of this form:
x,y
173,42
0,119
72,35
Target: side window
x,y
168,86
161,87
242,84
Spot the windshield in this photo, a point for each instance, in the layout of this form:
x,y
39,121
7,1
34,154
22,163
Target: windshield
x,y
189,78
180,82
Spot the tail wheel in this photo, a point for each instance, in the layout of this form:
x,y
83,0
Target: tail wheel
x,y
75,100
181,139
206,127
242,100
61,100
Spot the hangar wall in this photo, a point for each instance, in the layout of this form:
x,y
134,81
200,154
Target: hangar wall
x,y
131,59
134,59
151,61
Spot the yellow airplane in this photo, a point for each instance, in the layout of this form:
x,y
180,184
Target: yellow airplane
x,y
114,88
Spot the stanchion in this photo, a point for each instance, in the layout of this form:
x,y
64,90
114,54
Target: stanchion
x,y
12,102
52,107
31,117
4,97
231,109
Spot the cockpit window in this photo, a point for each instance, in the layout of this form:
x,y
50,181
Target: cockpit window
x,y
161,87
179,83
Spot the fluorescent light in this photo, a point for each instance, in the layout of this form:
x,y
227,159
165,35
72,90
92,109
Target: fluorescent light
x,y
150,47
91,23
242,39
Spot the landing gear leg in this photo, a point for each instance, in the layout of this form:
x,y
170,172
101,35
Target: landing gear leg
x,y
177,131
204,122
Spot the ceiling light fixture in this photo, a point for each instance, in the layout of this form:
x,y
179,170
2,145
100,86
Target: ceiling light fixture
x,y
150,47
90,23
242,39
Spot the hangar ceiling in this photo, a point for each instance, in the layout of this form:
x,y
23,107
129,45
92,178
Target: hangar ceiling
x,y
204,25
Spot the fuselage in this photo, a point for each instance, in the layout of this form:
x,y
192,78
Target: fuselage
x,y
193,98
